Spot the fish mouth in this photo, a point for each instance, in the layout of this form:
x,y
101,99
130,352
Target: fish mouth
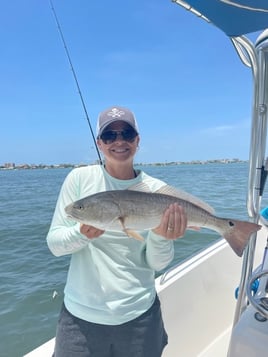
x,y
70,213
68,209
73,217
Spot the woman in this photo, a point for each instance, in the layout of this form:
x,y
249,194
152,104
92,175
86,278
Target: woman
x,y
110,306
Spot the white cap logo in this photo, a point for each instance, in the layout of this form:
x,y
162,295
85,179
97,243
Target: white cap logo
x,y
115,113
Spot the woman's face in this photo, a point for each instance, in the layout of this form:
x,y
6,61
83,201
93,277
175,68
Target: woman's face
x,y
123,146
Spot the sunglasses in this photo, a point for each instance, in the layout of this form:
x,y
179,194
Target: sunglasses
x,y
109,136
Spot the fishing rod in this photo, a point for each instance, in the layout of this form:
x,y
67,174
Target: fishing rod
x,y
75,78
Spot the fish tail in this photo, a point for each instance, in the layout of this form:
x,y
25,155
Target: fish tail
x,y
239,234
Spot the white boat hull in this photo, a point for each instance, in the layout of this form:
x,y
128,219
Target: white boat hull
x,y
198,301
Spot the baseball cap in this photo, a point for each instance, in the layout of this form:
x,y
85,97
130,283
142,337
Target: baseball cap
x,y
113,114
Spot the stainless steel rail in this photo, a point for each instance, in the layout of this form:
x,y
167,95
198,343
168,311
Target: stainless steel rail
x,y
256,58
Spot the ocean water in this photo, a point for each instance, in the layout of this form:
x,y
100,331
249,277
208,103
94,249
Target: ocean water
x,y
32,279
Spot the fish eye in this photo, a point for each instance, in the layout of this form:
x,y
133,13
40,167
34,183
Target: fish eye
x,y
79,206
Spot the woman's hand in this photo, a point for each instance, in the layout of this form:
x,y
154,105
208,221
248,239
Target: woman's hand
x,y
90,231
173,224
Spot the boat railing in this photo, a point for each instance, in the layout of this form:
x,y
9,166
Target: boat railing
x,y
258,301
256,57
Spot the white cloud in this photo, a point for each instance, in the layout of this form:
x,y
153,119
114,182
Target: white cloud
x,y
224,129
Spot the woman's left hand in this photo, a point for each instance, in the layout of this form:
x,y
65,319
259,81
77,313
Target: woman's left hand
x,y
173,224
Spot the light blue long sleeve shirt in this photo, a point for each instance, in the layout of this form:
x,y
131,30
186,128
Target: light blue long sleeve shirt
x,y
110,278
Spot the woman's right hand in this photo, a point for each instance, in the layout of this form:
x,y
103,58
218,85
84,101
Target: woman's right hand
x,y
90,232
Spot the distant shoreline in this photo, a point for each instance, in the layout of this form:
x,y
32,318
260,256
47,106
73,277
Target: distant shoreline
x,y
13,166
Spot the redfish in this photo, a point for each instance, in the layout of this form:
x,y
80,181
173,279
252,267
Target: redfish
x,y
135,210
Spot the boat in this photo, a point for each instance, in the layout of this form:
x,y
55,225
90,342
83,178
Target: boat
x,y
215,304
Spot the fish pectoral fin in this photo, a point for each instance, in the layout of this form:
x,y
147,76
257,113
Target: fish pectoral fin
x,y
128,231
133,234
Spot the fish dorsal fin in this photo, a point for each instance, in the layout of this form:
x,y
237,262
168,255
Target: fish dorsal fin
x,y
172,191
141,187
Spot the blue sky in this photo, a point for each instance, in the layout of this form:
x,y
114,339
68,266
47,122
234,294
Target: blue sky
x,y
181,76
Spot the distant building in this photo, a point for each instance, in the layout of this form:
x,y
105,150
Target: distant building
x,y
9,165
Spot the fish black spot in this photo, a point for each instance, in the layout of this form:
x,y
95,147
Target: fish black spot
x,y
231,224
